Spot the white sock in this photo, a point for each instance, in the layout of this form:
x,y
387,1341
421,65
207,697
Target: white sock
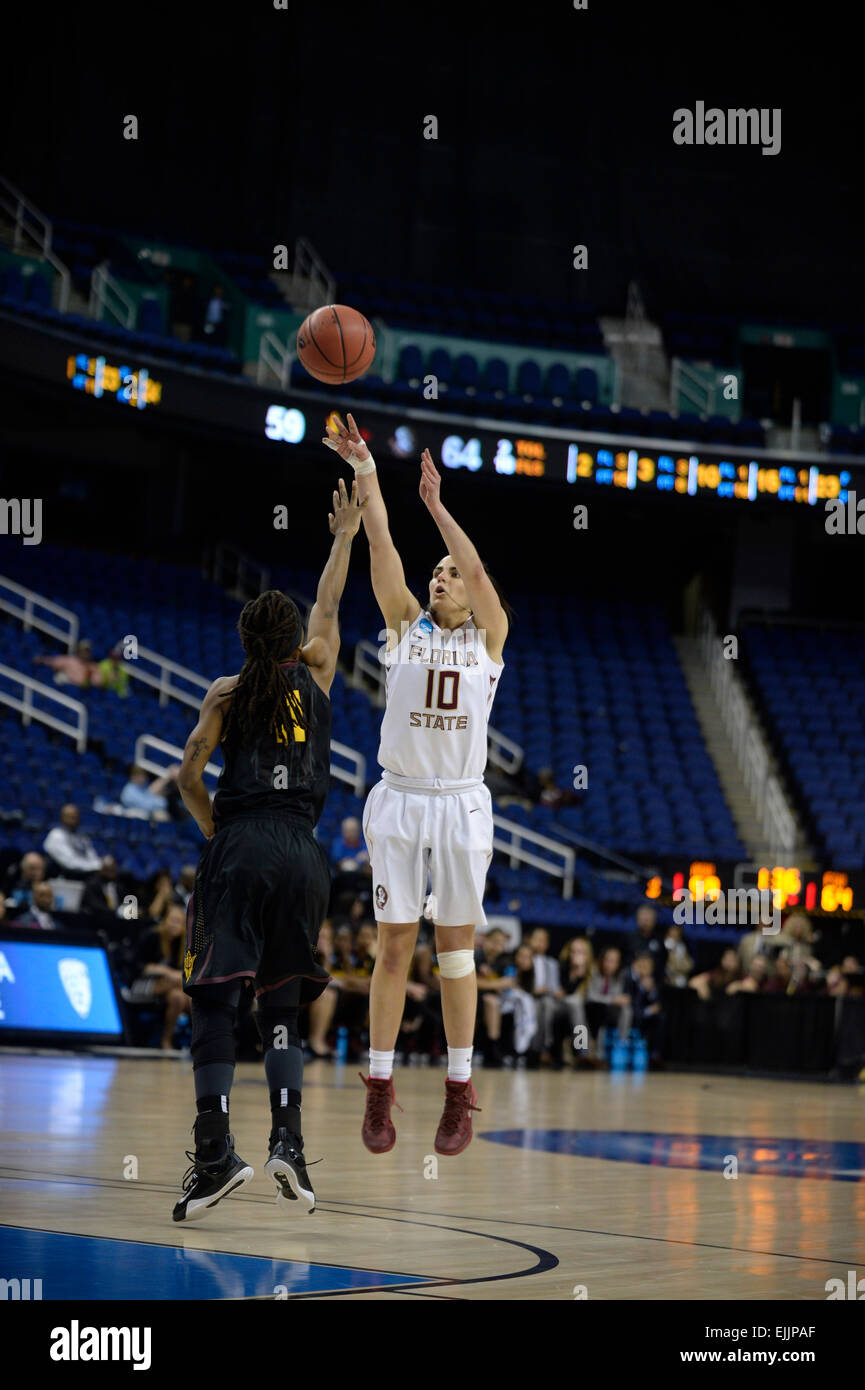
x,y
380,1065
459,1063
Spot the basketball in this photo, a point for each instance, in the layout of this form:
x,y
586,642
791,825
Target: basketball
x,y
336,344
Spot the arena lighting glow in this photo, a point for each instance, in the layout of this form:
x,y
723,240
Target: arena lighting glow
x,y
98,377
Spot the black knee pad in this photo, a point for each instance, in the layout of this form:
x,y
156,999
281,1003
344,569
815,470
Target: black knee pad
x,y
268,1020
212,1032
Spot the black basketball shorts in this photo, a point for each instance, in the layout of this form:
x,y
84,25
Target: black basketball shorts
x,y
261,893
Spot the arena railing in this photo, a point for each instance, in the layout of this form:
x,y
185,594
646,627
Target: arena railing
x,y
776,818
238,574
354,776
28,711
30,618
503,752
34,225
106,293
516,851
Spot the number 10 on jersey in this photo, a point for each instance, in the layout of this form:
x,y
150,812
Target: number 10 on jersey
x,y
452,693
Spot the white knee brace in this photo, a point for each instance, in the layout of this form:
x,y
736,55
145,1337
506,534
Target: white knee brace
x,y
454,964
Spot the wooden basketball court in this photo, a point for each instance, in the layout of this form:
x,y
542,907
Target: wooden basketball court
x,y
576,1185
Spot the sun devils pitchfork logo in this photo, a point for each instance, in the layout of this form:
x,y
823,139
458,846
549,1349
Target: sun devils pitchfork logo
x,y
75,978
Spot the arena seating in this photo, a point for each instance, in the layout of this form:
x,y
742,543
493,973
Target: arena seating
x,y
811,695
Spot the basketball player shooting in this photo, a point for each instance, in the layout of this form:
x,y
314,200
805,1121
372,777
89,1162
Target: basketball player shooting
x,y
431,813
262,883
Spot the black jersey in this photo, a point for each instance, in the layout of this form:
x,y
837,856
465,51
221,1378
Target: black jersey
x,y
255,780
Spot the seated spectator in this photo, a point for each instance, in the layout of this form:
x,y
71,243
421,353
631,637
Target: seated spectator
x,y
608,1003
552,795
348,850
647,1017
549,996
756,943
648,939
796,941
21,879
518,999
713,982
577,963
185,884
491,963
835,983
854,975
322,1009
756,981
160,961
160,894
141,794
38,914
73,852
680,962
102,891
111,674
215,324
72,669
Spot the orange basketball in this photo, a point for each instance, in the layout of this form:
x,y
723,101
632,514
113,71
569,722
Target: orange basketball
x,y
336,344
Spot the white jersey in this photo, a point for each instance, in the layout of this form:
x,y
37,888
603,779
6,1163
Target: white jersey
x,y
440,688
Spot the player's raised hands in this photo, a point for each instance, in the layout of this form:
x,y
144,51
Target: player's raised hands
x,y
344,520
346,441
430,483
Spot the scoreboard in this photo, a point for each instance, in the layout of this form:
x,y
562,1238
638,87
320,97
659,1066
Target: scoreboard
x,y
285,421
824,892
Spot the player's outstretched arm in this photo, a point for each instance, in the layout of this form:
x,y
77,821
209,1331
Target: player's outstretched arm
x,y
486,607
393,596
322,638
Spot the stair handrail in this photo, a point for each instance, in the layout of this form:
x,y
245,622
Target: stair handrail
x,y
28,711
20,208
30,619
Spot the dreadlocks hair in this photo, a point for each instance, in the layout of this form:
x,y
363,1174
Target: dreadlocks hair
x,y
270,629
508,611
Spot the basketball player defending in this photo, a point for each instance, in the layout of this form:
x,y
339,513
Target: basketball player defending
x,y
431,811
262,883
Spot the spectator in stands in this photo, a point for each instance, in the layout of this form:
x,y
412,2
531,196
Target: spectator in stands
x,y
38,914
185,884
577,963
102,890
680,962
348,850
756,980
608,1003
647,1016
518,999
322,1009
74,668
111,674
216,317
549,996
137,795
160,959
755,943
73,852
552,795
713,982
648,939
491,963
20,881
835,983
161,894
796,940
854,975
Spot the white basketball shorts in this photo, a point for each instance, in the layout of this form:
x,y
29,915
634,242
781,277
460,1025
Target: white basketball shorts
x,y
446,834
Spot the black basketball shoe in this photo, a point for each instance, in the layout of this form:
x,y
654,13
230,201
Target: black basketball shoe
x,y
287,1167
216,1171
